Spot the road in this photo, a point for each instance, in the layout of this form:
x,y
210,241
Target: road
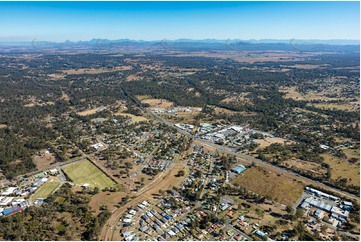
x,y
252,159
108,230
228,226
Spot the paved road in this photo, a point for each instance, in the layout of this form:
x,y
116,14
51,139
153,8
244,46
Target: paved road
x,y
228,226
252,159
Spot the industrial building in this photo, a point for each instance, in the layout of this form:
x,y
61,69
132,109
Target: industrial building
x,y
238,169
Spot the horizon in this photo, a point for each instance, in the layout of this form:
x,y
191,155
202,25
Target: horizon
x,y
152,21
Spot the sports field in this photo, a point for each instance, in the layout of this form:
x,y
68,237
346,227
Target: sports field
x,y
47,189
85,172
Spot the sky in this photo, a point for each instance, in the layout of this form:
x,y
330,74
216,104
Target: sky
x,y
60,21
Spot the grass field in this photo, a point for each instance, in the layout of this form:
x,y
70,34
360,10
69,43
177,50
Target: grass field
x,y
85,172
267,183
343,168
46,189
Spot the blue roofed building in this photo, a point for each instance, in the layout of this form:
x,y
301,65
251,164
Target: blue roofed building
x,y
238,169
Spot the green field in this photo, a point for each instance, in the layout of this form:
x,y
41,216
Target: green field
x,y
45,190
85,172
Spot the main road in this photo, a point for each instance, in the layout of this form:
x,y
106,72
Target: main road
x,y
252,159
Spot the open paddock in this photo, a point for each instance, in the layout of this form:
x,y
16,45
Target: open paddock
x,y
343,168
269,184
134,118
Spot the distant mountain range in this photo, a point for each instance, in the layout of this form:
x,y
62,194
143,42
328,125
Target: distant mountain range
x,y
195,45
210,41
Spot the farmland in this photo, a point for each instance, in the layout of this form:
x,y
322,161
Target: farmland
x,y
84,172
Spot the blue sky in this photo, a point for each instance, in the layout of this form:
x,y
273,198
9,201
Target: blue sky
x,y
59,21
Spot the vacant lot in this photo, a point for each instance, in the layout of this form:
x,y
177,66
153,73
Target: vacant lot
x,y
263,143
85,172
95,70
352,153
47,189
343,168
90,111
134,118
267,183
43,160
158,103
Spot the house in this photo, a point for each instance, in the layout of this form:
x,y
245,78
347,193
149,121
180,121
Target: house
x,y
97,146
260,233
224,206
144,229
230,214
53,171
127,221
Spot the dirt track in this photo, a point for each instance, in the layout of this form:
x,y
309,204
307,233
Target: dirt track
x,y
163,182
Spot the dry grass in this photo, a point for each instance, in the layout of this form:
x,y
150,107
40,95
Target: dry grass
x,y
263,143
43,162
90,111
338,106
133,78
56,76
267,183
134,118
352,153
3,126
109,199
95,70
307,66
291,92
143,97
343,168
158,103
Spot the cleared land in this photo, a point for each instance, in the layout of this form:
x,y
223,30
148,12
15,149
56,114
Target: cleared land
x,y
269,184
90,111
84,172
343,168
263,143
134,118
158,103
338,106
47,189
95,70
43,161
